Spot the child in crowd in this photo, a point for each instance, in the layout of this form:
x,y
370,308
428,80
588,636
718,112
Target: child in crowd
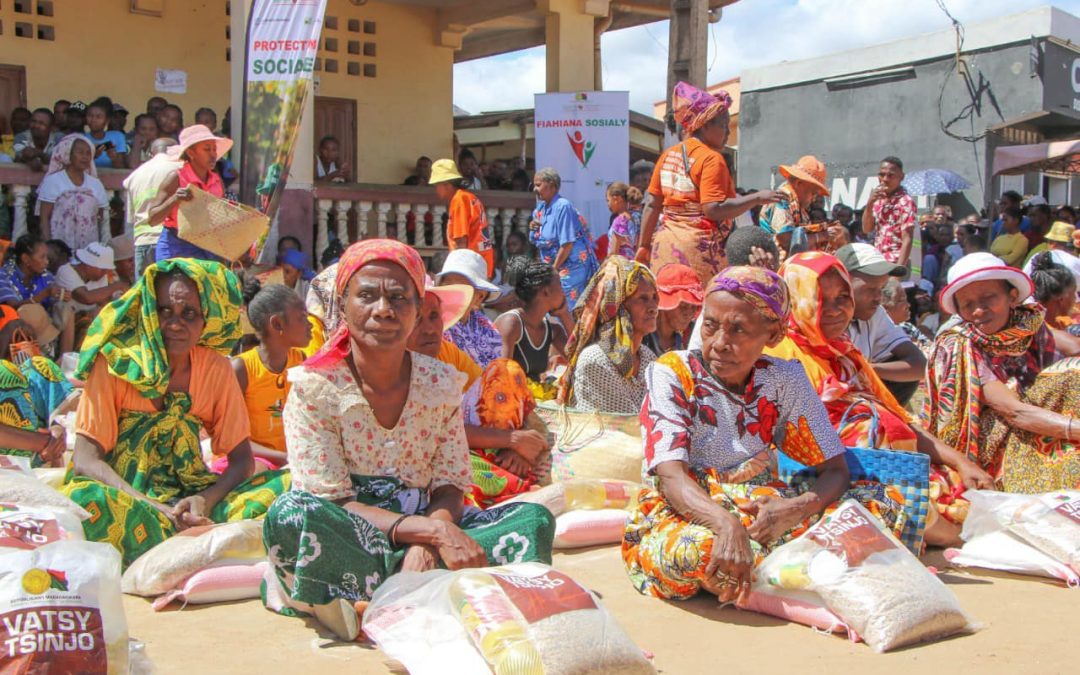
x,y
624,202
280,320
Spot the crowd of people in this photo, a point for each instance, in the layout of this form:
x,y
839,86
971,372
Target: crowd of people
x,y
379,413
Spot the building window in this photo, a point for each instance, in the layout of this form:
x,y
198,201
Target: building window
x,y
353,68
330,65
23,7
354,25
330,23
46,33
369,70
24,30
330,44
369,27
45,8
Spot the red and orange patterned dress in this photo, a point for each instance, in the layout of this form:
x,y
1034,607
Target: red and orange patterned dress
x,y
727,440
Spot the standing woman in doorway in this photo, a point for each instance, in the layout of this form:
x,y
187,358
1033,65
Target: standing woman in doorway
x,y
693,188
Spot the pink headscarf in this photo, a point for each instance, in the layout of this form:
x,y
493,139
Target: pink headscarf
x,y
694,107
356,256
61,154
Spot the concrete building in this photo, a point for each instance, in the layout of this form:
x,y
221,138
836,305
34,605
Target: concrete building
x,y
383,86
1017,81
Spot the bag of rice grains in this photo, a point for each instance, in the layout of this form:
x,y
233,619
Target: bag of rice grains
x,y
521,619
61,610
867,578
1051,523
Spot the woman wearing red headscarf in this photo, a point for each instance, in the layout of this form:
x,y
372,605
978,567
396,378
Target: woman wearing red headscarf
x,y
693,189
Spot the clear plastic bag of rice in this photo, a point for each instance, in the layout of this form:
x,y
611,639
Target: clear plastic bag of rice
x,y
869,579
61,610
19,485
1051,523
521,619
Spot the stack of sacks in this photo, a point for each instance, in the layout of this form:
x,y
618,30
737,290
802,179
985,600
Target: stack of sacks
x,y
200,565
1024,534
848,572
588,511
59,595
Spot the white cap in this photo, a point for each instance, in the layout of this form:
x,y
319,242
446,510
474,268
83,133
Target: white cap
x,y
96,255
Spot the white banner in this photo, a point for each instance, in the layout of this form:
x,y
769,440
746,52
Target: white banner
x,y
585,136
283,39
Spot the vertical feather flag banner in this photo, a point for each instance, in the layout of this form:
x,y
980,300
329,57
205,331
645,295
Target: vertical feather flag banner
x,y
282,42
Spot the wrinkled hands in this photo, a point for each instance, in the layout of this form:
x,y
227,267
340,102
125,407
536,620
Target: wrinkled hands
x,y
728,573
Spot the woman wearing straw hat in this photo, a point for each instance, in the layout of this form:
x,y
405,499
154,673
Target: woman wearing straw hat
x,y
467,223
805,181
692,187
200,149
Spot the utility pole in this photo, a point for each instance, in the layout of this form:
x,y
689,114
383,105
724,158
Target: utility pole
x,y
687,43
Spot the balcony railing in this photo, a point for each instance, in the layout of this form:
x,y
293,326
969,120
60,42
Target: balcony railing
x,y
21,182
349,211
414,215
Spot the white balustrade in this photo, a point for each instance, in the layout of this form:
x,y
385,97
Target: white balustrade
x,y
381,211
364,208
437,213
421,223
21,194
322,223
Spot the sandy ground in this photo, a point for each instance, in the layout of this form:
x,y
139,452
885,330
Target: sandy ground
x,y
1030,625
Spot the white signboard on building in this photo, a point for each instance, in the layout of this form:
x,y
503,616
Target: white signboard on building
x,y
585,136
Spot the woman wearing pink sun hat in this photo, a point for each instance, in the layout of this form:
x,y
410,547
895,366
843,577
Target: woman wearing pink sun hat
x,y
200,149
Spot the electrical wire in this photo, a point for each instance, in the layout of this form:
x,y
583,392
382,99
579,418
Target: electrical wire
x,y
715,48
970,111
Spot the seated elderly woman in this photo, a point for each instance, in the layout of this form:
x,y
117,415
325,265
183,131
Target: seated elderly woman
x,y
30,395
606,351
995,392
507,441
156,371
379,457
710,420
860,407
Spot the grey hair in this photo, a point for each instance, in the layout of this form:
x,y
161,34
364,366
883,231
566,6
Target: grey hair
x,y
549,175
893,288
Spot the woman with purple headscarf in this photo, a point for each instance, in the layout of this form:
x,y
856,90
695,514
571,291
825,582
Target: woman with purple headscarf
x,y
710,421
692,187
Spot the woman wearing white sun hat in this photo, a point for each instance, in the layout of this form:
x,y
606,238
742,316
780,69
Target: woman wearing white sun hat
x,y
474,334
997,389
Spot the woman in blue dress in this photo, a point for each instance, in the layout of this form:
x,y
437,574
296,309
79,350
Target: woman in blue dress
x,y
561,236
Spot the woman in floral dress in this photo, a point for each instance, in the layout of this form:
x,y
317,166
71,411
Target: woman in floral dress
x,y
379,458
710,420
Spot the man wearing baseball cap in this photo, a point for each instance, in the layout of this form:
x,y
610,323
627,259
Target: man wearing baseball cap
x,y
895,358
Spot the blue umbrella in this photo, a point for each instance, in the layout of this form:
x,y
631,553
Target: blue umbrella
x,y
934,181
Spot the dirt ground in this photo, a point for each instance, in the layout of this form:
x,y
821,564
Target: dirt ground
x,y
1029,625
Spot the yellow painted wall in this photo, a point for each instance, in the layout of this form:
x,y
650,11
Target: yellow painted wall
x,y
406,110
102,49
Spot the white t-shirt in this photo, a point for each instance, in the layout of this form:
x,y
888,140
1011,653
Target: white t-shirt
x,y
877,337
56,184
69,279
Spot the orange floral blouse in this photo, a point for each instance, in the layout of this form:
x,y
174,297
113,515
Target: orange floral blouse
x,y
689,416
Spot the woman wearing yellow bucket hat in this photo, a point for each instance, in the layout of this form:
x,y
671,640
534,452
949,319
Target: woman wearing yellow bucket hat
x,y
467,224
1059,238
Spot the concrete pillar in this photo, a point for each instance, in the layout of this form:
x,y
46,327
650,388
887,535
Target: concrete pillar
x,y
238,21
687,43
569,35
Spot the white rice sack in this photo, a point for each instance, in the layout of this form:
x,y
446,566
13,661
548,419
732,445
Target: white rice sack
x,y
28,527
1004,551
170,563
524,619
870,580
1051,523
61,610
23,488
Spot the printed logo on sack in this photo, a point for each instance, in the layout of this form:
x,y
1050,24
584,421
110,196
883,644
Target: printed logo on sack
x,y
36,581
583,149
